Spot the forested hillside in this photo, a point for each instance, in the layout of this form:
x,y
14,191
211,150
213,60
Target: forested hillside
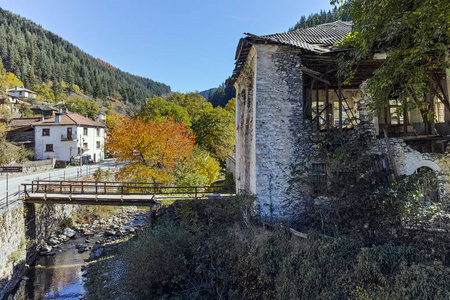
x,y
36,55
338,13
219,96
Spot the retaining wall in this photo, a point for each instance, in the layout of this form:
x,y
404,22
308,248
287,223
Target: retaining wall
x,y
23,229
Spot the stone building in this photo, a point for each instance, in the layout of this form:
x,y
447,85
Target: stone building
x,y
286,85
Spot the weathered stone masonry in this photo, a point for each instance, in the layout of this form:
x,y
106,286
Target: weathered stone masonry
x,y
270,107
271,74
22,229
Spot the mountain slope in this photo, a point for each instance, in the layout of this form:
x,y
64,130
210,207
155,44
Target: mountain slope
x,y
36,55
338,13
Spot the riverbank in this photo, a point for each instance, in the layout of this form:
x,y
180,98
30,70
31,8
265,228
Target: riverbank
x,y
61,263
213,250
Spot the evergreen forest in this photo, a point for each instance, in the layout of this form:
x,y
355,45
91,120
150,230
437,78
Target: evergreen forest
x,y
38,56
336,14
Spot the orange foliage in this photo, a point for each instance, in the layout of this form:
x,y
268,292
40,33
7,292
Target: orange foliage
x,y
151,149
107,65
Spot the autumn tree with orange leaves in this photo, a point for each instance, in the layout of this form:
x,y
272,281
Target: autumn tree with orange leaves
x,y
151,150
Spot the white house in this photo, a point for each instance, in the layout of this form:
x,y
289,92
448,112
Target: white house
x,y
21,92
68,135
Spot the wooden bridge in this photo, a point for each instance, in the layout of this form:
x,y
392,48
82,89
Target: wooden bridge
x,y
113,193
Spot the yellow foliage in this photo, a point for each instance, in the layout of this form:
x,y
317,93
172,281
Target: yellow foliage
x,y
151,149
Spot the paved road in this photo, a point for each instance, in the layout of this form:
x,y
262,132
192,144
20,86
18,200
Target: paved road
x,y
70,173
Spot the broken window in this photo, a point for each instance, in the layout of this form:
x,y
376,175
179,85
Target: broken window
x,y
319,176
440,111
395,112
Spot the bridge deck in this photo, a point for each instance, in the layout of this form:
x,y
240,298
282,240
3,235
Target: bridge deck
x,y
113,193
123,200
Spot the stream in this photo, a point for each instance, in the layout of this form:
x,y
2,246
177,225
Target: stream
x,y
60,276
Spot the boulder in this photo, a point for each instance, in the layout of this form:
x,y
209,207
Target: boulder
x,y
46,248
69,232
88,232
109,232
63,237
53,241
96,247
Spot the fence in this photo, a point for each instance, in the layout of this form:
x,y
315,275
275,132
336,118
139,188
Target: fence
x,y
30,166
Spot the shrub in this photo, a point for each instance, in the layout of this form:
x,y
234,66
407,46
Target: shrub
x,y
66,222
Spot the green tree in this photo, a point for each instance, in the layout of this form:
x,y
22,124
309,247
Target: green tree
x,y
214,131
199,169
25,110
415,35
194,103
84,107
157,108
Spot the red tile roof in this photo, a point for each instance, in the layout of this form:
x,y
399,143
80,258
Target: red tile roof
x,y
70,119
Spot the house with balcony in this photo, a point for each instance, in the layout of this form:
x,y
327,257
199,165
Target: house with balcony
x,y
68,135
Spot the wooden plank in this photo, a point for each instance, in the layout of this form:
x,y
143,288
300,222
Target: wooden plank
x,y
314,74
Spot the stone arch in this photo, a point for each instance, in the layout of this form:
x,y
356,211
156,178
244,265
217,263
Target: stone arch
x,y
420,164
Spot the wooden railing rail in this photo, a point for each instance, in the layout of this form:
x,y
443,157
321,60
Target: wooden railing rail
x,y
115,188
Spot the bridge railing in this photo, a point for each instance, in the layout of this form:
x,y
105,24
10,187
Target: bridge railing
x,y
118,188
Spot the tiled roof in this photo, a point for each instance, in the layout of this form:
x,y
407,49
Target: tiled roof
x,y
70,119
43,107
23,102
318,39
22,122
324,35
20,89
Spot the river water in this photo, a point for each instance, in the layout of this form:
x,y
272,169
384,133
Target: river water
x,y
55,277
59,276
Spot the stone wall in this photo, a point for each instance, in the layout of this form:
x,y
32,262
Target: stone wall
x,y
12,245
279,137
231,165
23,229
34,166
245,127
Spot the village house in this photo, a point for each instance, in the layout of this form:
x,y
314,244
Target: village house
x,y
287,89
68,135
43,109
21,92
21,131
8,101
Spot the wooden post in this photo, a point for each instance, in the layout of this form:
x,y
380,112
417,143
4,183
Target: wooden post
x,y
317,106
327,103
405,121
340,106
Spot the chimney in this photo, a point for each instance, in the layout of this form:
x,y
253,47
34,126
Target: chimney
x,y
57,118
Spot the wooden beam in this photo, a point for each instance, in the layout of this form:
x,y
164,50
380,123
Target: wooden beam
x,y
340,105
314,74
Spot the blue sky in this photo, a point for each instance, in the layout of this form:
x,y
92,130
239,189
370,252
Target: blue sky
x,y
189,45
